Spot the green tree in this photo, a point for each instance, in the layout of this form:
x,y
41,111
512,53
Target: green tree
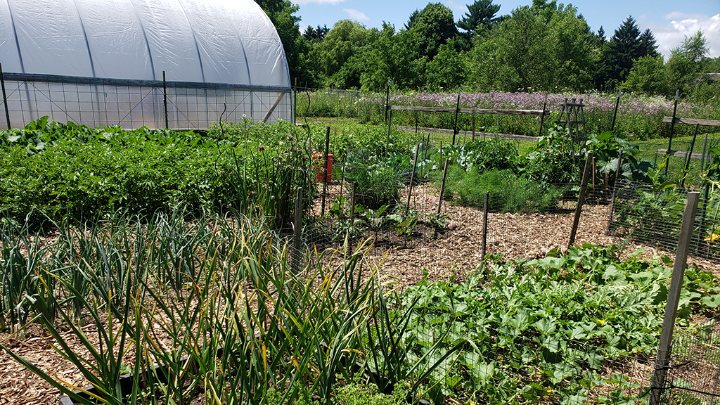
x,y
329,56
648,75
620,52
432,27
687,62
447,70
481,15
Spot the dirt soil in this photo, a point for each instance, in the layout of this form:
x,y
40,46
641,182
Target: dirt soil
x,y
452,253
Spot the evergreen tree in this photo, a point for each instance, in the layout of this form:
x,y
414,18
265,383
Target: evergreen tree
x,y
620,52
648,45
480,14
601,36
312,34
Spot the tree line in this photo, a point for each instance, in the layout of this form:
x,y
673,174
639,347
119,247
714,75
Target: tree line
x,y
545,46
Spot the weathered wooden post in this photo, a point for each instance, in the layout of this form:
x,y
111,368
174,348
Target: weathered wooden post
x,y
542,116
581,198
672,129
662,361
457,111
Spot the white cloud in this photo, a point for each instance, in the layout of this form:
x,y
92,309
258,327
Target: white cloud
x,y
356,15
679,25
457,6
303,2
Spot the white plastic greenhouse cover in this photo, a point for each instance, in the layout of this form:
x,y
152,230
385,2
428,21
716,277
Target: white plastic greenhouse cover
x,y
211,41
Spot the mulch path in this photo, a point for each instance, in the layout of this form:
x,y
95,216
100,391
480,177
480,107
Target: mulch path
x,y
452,254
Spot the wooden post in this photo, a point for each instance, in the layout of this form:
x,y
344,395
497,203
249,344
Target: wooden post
x,y
5,102
457,111
165,100
689,156
581,198
542,117
617,104
663,355
612,199
325,175
412,178
442,187
473,128
484,229
297,231
672,129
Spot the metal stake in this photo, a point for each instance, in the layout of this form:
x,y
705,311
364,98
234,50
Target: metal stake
x,y
457,111
542,117
663,356
165,100
325,177
442,187
412,178
672,129
484,229
617,104
615,185
5,102
297,231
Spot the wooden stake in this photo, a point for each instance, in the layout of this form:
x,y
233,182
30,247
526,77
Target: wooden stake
x,y
663,355
581,198
473,127
672,129
442,187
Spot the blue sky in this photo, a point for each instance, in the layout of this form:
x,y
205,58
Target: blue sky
x,y
669,20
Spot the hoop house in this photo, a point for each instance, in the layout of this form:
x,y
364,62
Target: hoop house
x,y
127,62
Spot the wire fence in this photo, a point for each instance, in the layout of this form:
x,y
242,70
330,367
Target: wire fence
x,y
694,372
134,104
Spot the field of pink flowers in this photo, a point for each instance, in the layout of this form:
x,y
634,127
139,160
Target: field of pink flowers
x,y
639,117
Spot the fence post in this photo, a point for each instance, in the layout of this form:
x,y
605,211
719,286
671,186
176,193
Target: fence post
x,y
617,104
442,187
484,229
457,111
672,129
165,100
612,199
663,356
581,197
542,116
412,178
7,110
325,174
297,231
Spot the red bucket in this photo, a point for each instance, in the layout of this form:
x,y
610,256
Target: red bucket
x,y
320,166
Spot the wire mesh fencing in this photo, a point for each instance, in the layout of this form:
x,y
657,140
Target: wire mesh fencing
x,y
652,215
134,104
693,376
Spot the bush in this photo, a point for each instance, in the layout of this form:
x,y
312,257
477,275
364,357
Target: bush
x,y
508,192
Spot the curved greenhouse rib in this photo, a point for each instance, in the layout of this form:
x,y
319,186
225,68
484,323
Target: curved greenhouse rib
x,y
197,48
87,43
147,43
17,41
